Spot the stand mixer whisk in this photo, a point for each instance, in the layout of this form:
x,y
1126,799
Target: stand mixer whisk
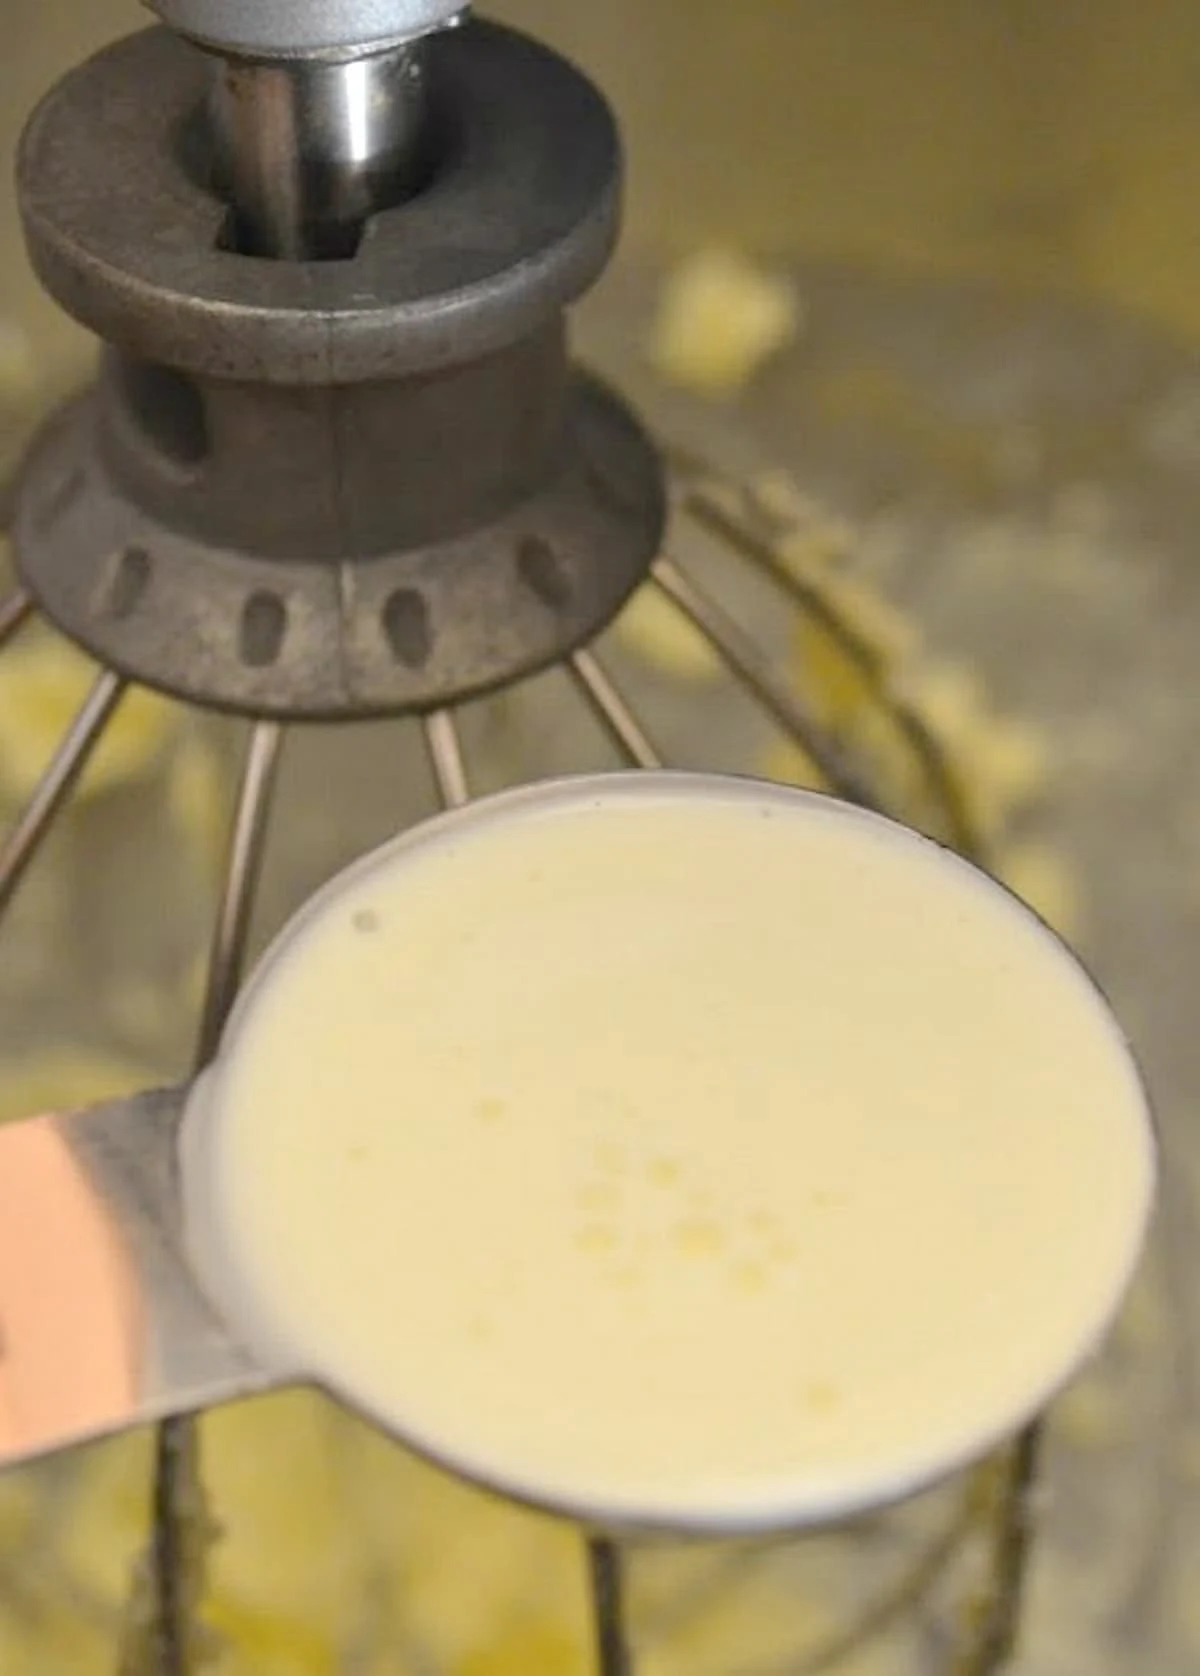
x,y
338,465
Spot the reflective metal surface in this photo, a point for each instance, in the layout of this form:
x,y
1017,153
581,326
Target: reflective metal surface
x,y
339,489
304,28
101,1324
308,151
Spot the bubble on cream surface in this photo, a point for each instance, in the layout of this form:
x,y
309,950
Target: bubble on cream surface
x,y
664,1163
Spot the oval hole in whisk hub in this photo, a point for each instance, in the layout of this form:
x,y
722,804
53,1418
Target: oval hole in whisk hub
x,y
543,573
407,627
130,579
263,627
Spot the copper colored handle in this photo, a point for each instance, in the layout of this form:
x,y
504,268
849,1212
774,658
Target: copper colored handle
x,y
72,1332
102,1324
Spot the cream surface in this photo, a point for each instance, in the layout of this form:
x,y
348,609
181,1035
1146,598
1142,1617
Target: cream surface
x,y
674,1150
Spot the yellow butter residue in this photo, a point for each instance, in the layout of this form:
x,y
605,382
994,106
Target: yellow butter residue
x,y
810,537
44,682
1004,765
436,1575
657,631
839,685
1044,878
788,765
854,674
444,1545
439,1543
529,1649
199,793
1090,1416
18,363
721,318
65,1079
858,657
283,1571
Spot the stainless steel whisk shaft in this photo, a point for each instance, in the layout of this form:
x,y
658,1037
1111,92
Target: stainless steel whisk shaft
x,y
308,151
318,112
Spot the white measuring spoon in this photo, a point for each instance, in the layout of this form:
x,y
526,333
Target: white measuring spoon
x,y
671,1151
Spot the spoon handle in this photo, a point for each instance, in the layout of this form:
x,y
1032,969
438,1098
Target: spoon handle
x,y
102,1324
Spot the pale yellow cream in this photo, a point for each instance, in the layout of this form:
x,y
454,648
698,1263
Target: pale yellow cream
x,y
674,1150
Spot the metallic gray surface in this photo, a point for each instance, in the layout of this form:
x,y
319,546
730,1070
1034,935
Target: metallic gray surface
x,y
190,1360
443,743
352,628
348,488
124,225
310,151
129,1151
306,28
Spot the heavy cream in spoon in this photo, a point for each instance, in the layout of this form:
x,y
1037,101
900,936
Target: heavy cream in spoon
x,y
674,1150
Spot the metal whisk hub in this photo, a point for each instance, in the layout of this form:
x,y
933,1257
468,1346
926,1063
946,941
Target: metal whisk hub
x,y
342,487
